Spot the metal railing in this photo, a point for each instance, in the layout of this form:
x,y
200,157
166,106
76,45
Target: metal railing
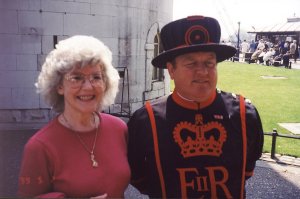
x,y
274,135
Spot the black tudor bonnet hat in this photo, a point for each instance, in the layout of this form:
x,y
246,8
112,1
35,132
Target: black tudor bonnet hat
x,y
192,34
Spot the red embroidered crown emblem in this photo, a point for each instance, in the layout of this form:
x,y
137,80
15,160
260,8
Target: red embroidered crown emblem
x,y
202,139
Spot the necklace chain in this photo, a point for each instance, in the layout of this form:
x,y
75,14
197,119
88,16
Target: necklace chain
x,y
91,152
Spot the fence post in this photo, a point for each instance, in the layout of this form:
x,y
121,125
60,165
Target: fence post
x,y
274,136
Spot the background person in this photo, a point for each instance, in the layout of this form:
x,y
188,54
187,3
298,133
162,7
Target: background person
x,y
198,142
268,57
245,47
69,157
261,45
252,46
294,51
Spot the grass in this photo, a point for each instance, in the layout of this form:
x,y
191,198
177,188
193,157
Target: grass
x,y
277,100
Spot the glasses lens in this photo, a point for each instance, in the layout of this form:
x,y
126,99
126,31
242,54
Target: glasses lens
x,y
77,80
96,79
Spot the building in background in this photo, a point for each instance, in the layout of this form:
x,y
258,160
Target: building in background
x,y
29,30
288,31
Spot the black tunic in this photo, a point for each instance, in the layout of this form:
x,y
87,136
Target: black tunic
x,y
200,147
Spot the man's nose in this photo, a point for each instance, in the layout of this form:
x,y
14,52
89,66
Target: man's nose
x,y
201,68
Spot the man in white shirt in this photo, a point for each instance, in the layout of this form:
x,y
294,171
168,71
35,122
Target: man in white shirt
x,y
244,49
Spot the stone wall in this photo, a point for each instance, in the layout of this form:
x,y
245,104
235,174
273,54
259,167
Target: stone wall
x,y
29,30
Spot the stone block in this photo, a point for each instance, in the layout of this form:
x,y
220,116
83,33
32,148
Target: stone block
x,y
47,44
9,44
6,116
24,98
30,22
8,62
149,46
27,62
18,79
104,10
41,23
83,1
5,97
43,103
33,5
89,25
135,106
9,5
125,48
132,23
8,22
161,92
30,44
36,115
158,85
17,115
52,23
66,6
109,2
112,44
40,61
20,44
151,95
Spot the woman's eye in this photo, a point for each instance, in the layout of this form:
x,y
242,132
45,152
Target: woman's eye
x,y
76,78
97,77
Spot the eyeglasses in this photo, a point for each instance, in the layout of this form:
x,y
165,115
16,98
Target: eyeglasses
x,y
77,80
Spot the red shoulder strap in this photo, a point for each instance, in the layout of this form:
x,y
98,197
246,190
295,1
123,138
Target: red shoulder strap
x,y
244,136
156,149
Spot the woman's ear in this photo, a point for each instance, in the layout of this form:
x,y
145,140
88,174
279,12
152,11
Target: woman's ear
x,y
60,89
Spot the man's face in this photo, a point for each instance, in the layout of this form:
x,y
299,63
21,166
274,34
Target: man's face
x,y
194,75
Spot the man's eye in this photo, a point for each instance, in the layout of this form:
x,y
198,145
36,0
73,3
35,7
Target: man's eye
x,y
190,64
210,64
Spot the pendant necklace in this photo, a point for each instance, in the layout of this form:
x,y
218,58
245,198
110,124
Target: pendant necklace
x,y
91,152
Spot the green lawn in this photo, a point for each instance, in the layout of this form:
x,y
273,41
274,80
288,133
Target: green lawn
x,y
277,100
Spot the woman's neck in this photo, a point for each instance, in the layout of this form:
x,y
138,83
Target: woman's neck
x,y
79,122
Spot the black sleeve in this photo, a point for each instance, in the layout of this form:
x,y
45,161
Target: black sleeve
x,y
136,149
255,138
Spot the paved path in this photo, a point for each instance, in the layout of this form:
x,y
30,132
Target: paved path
x,y
292,127
270,180
274,181
279,178
296,65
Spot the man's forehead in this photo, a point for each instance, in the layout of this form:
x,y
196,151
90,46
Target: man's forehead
x,y
209,55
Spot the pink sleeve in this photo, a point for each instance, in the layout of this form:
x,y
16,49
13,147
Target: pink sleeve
x,y
35,174
52,195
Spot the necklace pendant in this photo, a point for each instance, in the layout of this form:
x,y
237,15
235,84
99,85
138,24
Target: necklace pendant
x,y
94,162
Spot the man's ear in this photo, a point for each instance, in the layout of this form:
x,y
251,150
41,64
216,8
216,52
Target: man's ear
x,y
170,68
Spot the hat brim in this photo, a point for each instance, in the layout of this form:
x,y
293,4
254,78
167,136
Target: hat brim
x,y
222,51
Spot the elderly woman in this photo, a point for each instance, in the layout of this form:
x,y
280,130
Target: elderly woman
x,y
81,152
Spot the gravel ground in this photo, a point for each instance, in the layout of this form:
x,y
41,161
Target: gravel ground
x,y
270,181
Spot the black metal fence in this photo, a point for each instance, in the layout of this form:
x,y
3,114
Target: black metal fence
x,y
274,135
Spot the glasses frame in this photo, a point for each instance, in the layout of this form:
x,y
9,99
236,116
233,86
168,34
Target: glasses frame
x,y
77,83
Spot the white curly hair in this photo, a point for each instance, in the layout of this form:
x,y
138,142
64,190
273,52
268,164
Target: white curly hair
x,y
76,51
